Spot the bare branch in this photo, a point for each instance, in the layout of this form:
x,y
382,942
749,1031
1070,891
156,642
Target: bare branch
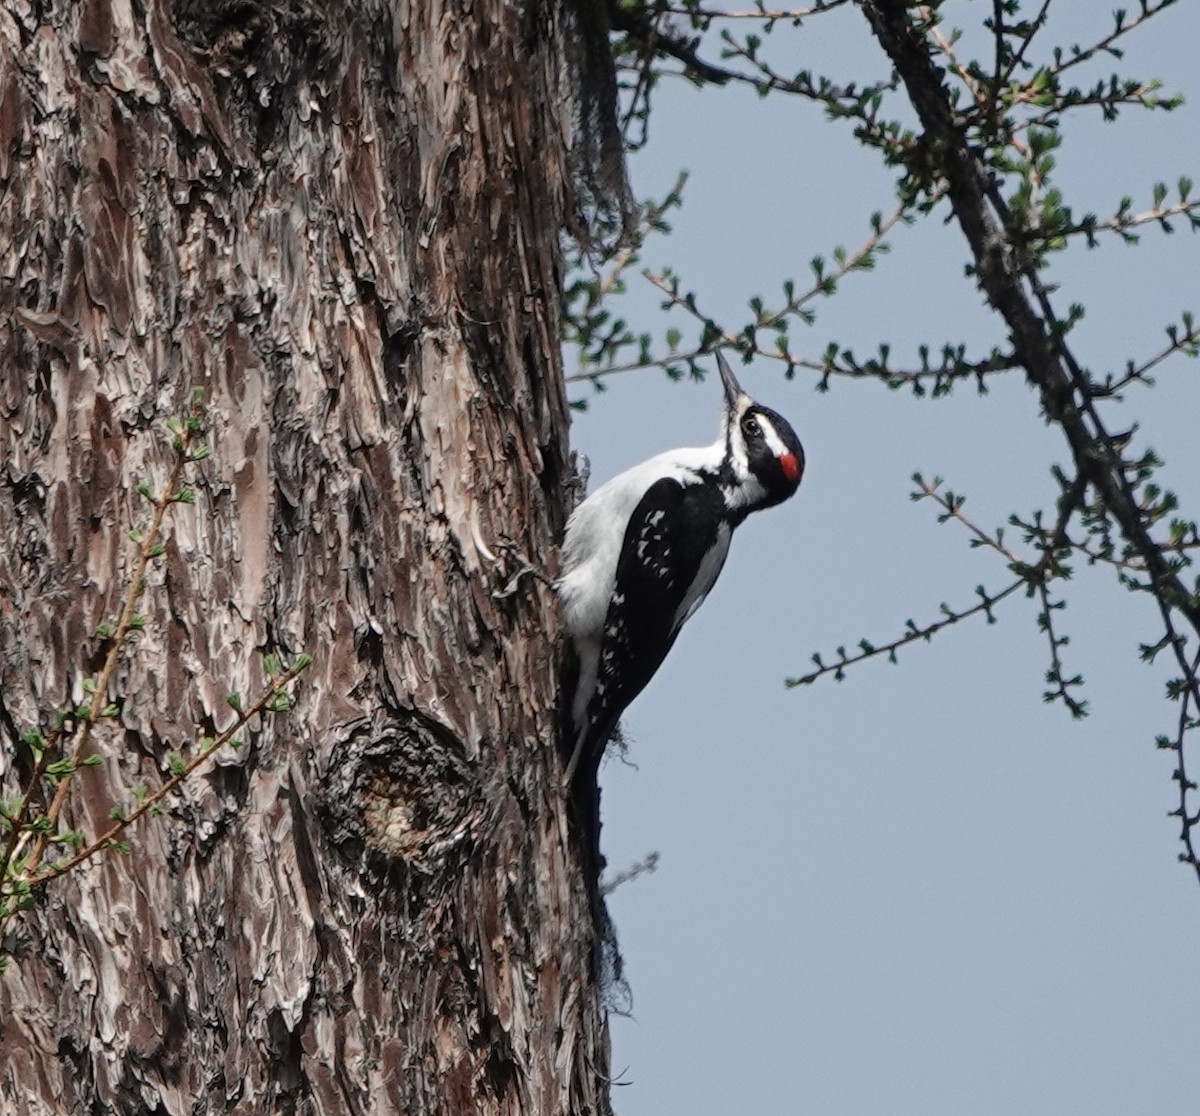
x,y
113,833
951,506
914,632
648,863
148,549
1186,341
1123,221
1038,336
1105,44
824,285
1038,22
699,12
1060,685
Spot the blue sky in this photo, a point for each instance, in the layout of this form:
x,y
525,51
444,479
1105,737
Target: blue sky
x,y
920,890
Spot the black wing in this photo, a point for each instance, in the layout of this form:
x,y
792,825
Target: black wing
x,y
673,528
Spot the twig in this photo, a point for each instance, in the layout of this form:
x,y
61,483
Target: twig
x,y
110,836
1191,692
765,320
1054,676
1120,222
847,99
1039,21
947,49
1187,342
829,366
147,550
644,26
869,651
648,863
1102,99
952,508
17,821
1103,45
764,14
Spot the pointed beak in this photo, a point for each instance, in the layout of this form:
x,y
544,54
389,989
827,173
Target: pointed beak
x,y
733,390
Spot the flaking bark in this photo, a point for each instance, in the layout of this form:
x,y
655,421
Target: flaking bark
x,y
341,222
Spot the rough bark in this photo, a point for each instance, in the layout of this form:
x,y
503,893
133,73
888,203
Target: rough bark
x,y
341,221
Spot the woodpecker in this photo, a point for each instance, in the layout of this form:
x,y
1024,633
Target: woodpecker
x,y
642,552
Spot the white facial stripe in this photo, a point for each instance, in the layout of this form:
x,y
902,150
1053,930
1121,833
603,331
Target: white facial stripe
x,y
771,436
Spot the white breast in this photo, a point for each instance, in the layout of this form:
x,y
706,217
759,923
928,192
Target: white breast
x,y
596,531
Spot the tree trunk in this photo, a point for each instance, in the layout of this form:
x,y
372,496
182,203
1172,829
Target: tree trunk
x,y
340,221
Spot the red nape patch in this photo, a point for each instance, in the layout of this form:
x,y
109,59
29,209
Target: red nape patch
x,y
791,467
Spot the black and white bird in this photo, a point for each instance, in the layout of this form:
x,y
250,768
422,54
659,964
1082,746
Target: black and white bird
x,y
642,552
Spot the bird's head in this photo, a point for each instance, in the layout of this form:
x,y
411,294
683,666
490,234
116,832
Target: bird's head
x,y
762,453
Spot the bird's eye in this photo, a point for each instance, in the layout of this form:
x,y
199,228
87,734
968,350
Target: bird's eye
x,y
750,427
